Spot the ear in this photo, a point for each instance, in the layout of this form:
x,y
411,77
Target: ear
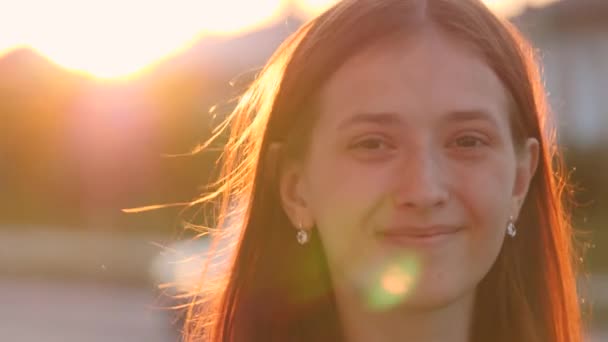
x,y
527,163
292,188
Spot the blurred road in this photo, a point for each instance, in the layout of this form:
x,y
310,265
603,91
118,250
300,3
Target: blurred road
x,y
35,310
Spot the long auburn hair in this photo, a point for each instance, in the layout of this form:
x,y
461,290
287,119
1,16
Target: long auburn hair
x,y
275,290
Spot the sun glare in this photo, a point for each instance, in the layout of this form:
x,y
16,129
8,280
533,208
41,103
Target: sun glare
x,y
118,38
502,7
313,7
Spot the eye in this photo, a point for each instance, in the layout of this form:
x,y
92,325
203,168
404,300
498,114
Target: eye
x,y
371,144
372,148
469,141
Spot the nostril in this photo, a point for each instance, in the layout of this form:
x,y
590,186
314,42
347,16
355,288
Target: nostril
x,y
420,182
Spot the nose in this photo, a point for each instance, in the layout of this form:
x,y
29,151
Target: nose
x,y
420,180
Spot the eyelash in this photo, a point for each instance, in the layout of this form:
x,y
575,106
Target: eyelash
x,y
360,144
481,141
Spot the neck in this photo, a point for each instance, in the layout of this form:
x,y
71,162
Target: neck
x,y
450,322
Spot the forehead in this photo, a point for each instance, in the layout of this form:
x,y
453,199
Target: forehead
x,y
421,77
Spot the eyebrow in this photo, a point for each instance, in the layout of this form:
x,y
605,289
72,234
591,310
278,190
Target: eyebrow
x,y
471,115
382,118
391,118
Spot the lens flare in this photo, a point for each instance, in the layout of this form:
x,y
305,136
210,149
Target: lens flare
x,y
393,282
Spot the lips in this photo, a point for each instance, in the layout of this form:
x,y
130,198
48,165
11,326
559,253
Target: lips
x,y
418,233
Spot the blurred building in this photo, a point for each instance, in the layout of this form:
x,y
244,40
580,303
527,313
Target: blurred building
x,y
572,38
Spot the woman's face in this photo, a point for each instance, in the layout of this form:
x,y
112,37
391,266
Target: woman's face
x,y
411,173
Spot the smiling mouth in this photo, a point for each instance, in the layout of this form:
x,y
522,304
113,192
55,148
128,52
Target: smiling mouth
x,y
417,236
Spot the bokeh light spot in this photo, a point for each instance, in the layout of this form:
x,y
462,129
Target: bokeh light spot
x,y
393,283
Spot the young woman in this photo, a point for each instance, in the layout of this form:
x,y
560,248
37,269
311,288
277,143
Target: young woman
x,y
398,180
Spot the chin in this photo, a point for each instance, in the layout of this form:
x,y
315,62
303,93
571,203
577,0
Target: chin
x,y
428,302
430,297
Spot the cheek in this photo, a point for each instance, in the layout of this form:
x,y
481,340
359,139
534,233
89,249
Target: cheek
x,y
342,190
343,197
488,193
485,195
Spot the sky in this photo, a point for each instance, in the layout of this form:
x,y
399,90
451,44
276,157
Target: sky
x,y
118,38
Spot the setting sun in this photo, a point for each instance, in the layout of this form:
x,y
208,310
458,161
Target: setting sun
x,y
118,38
313,7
